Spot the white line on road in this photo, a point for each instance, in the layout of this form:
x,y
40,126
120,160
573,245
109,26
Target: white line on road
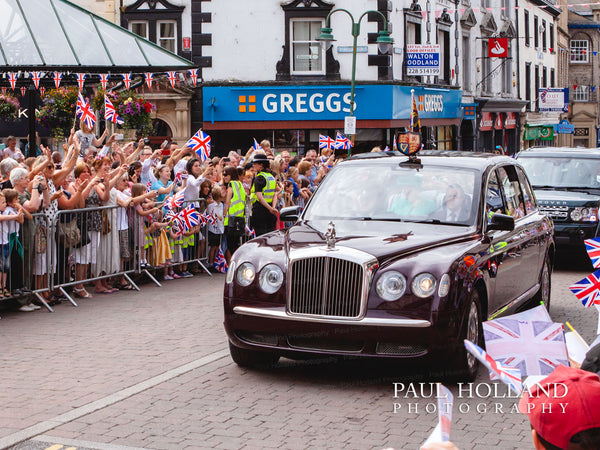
x,y
111,399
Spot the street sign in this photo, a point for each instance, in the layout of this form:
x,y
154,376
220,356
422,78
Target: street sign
x,y
349,125
553,100
423,59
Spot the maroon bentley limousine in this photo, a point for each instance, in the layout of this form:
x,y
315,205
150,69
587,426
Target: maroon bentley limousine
x,y
393,258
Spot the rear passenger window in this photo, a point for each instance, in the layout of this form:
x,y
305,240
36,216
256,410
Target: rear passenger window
x,y
512,191
493,200
528,196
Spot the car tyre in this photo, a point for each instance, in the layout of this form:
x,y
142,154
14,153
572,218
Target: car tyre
x,y
543,293
465,364
251,358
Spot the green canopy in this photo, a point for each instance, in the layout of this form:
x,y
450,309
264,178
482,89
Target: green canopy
x,y
56,35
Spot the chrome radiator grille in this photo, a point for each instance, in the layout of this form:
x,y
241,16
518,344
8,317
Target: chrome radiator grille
x,y
326,287
555,212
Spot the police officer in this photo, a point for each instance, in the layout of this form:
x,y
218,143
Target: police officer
x,y
262,194
235,210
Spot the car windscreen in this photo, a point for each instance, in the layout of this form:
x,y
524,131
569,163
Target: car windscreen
x,y
431,194
562,172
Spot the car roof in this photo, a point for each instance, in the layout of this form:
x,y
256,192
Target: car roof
x,y
472,160
562,152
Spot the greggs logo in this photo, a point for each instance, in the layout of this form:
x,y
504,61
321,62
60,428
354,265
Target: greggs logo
x,y
430,103
247,103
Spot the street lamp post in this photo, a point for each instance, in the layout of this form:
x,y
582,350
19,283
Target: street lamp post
x,y
384,42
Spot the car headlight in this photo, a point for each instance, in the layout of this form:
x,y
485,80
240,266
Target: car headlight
x,y
391,286
270,278
423,285
245,274
584,214
444,285
230,272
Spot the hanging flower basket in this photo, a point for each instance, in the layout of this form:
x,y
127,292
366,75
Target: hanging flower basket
x,y
58,111
9,108
131,107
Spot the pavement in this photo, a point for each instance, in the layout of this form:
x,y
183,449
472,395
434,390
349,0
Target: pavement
x,y
151,370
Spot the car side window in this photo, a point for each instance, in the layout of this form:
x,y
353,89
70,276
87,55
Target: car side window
x,y
509,181
528,196
494,203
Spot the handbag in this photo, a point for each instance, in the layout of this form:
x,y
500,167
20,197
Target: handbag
x,y
105,222
69,234
237,224
41,239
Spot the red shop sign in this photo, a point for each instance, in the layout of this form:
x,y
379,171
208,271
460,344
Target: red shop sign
x,y
511,121
487,122
498,122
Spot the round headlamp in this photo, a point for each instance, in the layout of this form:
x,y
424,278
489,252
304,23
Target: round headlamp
x,y
391,286
423,285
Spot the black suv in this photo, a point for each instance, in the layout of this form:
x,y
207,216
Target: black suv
x,y
566,182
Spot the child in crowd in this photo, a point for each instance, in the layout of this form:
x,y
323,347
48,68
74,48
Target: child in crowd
x,y
10,218
144,228
175,241
216,229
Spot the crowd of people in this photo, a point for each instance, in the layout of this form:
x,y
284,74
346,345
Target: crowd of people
x,y
84,216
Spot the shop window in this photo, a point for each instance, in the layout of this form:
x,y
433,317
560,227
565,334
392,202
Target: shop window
x,y
166,32
507,72
307,52
139,27
552,77
445,138
581,94
579,51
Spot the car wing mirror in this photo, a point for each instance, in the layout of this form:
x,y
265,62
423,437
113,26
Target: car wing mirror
x,y
501,222
289,214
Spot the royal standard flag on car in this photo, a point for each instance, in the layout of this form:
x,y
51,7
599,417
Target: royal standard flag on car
x,y
415,122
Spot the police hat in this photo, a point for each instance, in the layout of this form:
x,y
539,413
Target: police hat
x,y
259,158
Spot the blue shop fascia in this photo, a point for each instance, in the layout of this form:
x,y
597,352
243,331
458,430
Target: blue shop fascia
x,y
291,117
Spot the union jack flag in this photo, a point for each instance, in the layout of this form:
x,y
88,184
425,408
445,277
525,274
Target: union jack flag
x,y
23,91
57,77
533,347
508,375
592,247
149,76
12,79
149,186
342,141
200,143
249,232
126,80
4,88
80,80
189,217
256,145
104,80
180,176
174,201
42,91
110,113
193,75
326,142
35,77
84,112
220,262
588,289
386,149
172,76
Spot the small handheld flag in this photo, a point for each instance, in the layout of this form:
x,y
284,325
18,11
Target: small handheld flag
x,y
342,141
592,246
189,217
200,143
588,289
255,145
84,112
508,375
110,113
174,201
326,142
220,262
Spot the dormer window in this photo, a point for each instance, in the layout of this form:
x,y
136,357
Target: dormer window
x,y
307,53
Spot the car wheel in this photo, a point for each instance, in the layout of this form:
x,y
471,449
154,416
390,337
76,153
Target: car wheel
x,y
251,358
543,293
466,365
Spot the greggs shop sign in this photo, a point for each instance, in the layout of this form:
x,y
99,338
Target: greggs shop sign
x,y
371,102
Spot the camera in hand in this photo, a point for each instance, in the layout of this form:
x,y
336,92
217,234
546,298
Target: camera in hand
x,y
40,188
146,141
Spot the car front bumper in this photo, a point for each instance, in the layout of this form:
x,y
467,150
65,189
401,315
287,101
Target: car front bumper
x,y
573,234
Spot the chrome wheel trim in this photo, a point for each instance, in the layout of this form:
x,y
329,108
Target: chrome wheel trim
x,y
472,333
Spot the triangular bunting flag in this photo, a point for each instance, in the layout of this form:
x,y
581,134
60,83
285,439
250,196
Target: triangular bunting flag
x,y
126,80
35,77
80,80
193,75
12,79
104,80
172,76
23,91
57,77
42,91
149,76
